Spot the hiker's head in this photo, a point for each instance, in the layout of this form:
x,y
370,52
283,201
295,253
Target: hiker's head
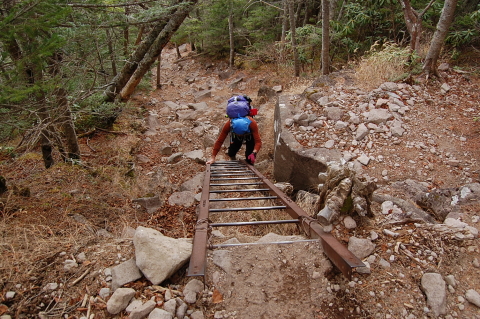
x,y
238,106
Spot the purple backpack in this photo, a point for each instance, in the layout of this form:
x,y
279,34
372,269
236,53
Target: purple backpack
x,y
238,106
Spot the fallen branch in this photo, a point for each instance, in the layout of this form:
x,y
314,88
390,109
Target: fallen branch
x,y
76,281
99,129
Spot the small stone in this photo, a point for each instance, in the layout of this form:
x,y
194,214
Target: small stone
x,y
349,222
473,297
10,295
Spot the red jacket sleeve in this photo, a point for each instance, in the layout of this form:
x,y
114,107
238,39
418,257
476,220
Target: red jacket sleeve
x,y
226,129
221,138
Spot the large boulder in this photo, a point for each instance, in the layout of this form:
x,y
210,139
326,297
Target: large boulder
x,y
159,256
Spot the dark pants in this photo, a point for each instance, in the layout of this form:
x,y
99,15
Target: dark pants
x,y
236,142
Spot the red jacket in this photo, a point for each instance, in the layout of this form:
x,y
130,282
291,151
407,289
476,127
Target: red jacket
x,y
226,129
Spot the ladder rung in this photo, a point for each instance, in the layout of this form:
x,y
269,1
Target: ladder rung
x,y
234,179
241,198
265,243
241,190
235,184
241,209
262,222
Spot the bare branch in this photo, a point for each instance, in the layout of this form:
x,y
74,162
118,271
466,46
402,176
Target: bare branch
x,y
128,4
251,3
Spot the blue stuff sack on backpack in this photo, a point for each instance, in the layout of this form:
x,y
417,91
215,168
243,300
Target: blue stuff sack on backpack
x,y
240,125
238,106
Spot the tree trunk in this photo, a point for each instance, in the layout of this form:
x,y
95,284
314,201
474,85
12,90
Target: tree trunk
x,y
446,18
294,40
231,61
177,50
325,37
111,52
146,52
139,35
413,21
284,30
159,84
65,119
146,61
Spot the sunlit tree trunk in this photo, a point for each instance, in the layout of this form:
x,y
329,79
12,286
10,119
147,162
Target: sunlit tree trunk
x,y
155,48
325,37
291,13
413,21
231,60
446,18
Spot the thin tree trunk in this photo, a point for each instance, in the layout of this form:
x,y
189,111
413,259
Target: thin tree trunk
x,y
129,68
294,40
155,49
177,50
65,119
111,52
139,35
159,84
231,61
325,37
446,18
284,30
413,21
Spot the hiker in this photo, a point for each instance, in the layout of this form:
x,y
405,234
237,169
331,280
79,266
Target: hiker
x,y
242,128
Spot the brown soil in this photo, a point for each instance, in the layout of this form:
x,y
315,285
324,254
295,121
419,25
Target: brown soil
x,y
40,231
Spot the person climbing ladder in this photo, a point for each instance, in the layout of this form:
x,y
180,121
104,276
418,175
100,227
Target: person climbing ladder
x,y
242,128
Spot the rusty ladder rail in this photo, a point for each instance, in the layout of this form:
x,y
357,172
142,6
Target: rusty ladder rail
x,y
338,254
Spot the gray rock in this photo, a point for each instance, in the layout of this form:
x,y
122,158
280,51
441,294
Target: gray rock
x,y
361,132
473,297
349,222
184,115
383,263
197,155
363,159
389,86
175,157
329,144
198,106
151,204
334,113
142,311
181,310
435,289
166,150
194,184
450,280
378,116
197,315
158,256
124,273
194,285
142,158
172,105
9,295
222,259
120,300
202,95
170,306
360,247
104,292
185,198
160,314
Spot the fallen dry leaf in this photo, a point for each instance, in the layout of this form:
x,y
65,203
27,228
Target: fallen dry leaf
x,y
217,296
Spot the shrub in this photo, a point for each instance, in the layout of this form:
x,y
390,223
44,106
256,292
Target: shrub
x,y
389,63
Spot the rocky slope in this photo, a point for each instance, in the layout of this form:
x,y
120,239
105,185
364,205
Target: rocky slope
x,y
415,270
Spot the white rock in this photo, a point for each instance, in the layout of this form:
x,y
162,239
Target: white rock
x,y
473,297
349,222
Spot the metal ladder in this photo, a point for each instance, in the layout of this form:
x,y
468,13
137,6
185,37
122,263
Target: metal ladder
x,y
239,178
